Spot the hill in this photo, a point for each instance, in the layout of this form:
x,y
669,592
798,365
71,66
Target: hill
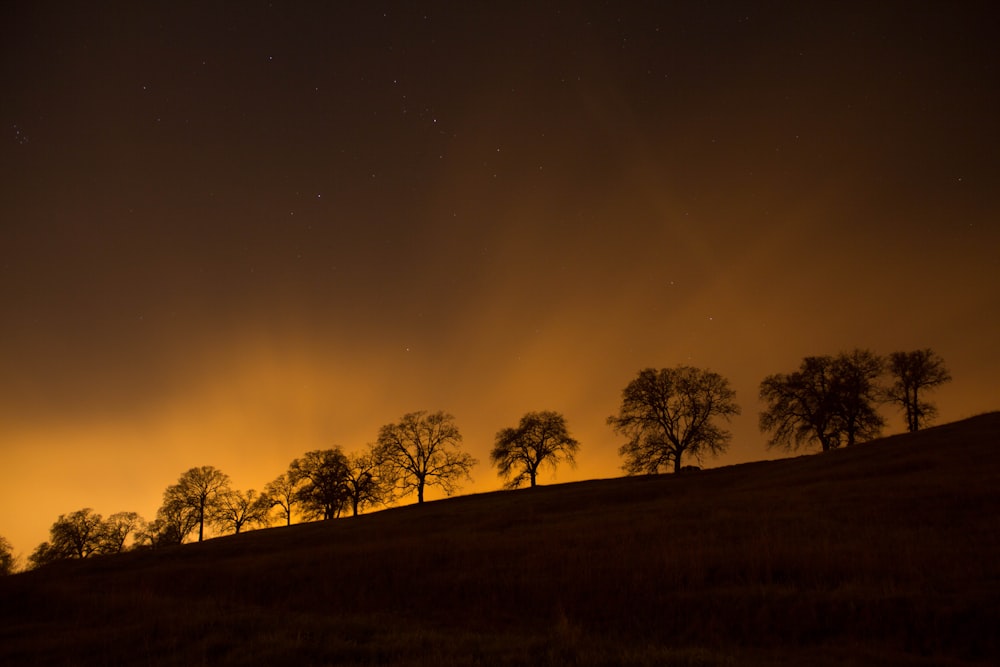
x,y
886,553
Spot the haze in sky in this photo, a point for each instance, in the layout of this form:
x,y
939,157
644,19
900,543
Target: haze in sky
x,y
235,233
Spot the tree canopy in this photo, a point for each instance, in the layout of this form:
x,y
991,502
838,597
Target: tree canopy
x,y
77,534
116,529
671,413
913,374
540,437
236,509
173,523
424,450
320,477
369,480
282,492
84,533
830,401
197,494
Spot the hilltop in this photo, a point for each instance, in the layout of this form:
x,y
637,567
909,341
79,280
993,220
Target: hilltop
x,y
885,553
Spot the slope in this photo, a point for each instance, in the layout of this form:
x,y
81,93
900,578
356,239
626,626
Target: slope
x,y
886,553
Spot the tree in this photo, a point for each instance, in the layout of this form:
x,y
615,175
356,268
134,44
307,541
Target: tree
x,y
174,521
540,437
801,407
424,450
115,530
857,375
913,373
44,554
198,491
669,413
369,480
8,562
282,492
236,509
73,535
78,534
831,401
321,480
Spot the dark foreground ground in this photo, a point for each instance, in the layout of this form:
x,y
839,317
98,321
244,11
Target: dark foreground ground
x,y
885,554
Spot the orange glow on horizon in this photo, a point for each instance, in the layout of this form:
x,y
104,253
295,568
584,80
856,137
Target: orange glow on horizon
x,y
238,242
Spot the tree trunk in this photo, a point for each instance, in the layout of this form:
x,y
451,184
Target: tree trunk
x,y
420,491
531,473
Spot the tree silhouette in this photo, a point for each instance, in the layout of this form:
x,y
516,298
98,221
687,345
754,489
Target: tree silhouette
x,y
831,401
282,492
320,477
669,413
369,480
175,519
198,491
540,437
78,534
857,374
423,450
801,406
914,373
115,531
44,554
236,509
73,535
7,561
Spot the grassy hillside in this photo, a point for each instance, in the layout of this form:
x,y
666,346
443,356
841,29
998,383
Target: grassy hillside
x,y
888,553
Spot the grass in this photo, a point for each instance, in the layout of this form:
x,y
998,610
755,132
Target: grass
x,y
884,554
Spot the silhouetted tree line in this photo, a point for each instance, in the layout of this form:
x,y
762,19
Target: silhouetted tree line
x,y
833,401
668,415
85,533
420,451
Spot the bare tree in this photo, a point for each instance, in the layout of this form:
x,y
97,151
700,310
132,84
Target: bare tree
x,y
914,373
321,480
175,519
73,535
78,534
670,413
424,450
236,509
858,394
8,562
115,531
369,480
830,401
198,490
801,407
540,437
282,492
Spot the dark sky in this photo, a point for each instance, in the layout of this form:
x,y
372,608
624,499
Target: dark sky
x,y
235,232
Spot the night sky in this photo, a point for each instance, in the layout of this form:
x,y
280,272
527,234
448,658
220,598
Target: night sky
x,y
235,232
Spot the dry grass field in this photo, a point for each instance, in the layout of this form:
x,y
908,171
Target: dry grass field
x,y
884,554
